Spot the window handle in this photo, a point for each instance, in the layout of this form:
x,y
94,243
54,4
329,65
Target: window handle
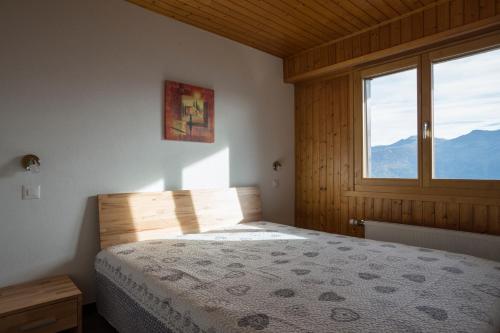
x,y
426,131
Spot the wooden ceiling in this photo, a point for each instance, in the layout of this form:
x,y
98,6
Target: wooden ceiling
x,y
283,27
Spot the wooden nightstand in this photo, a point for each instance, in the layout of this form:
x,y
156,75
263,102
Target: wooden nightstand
x,y
43,306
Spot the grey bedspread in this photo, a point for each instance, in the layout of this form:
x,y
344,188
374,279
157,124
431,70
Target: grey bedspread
x,y
273,278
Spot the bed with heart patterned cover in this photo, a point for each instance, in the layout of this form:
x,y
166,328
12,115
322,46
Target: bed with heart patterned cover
x,y
268,277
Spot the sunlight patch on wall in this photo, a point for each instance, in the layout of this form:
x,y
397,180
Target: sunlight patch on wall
x,y
210,172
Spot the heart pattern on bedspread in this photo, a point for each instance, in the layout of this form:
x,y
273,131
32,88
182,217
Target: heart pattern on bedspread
x,y
267,277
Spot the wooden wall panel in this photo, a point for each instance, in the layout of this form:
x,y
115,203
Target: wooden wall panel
x,y
325,196
439,17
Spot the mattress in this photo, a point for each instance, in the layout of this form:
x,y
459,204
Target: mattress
x,y
269,277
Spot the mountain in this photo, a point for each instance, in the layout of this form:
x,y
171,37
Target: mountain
x,y
475,155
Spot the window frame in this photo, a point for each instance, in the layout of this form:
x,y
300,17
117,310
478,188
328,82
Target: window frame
x,y
424,184
360,122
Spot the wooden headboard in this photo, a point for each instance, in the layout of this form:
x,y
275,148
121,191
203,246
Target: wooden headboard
x,y
131,217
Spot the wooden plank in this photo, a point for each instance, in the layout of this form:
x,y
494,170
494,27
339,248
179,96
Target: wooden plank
x,y
356,46
298,153
306,113
300,173
486,8
323,185
430,21
255,20
342,139
395,33
417,212
441,215
369,213
367,19
326,16
417,25
385,36
331,53
466,217
471,11
385,8
315,163
365,43
190,9
443,15
453,215
428,213
374,39
406,208
387,210
301,19
360,208
336,114
309,166
371,10
339,51
352,215
377,208
494,220
480,218
345,134
406,29
399,6
456,13
262,11
332,204
396,211
348,48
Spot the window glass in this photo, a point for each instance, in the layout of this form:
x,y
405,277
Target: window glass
x,y
466,117
390,120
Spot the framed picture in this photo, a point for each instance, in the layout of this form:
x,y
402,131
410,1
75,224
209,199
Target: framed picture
x,y
189,112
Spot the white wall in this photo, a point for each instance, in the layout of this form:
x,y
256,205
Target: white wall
x,y
81,86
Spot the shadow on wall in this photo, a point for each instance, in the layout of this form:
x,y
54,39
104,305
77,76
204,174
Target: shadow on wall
x,y
10,168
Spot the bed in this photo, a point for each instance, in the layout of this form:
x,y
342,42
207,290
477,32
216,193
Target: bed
x,y
240,274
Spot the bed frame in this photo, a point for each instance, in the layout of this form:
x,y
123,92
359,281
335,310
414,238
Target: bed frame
x,y
130,217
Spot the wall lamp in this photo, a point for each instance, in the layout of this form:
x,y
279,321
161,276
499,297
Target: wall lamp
x,y
276,165
31,163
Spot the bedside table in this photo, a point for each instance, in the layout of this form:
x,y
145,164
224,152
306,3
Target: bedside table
x,y
43,306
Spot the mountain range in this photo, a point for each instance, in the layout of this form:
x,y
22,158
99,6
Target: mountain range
x,y
475,155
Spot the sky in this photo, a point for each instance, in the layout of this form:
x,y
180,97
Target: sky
x,y
466,97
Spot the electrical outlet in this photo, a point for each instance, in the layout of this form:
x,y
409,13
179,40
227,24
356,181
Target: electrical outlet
x,y
31,192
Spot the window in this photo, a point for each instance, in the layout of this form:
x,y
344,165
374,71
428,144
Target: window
x,y
390,103
466,117
431,121
388,123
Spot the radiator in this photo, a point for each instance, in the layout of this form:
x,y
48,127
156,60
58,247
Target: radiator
x,y
478,245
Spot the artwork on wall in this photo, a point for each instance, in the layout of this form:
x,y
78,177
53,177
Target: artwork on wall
x,y
189,112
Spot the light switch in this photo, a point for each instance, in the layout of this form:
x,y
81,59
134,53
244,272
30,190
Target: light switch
x,y
31,192
276,183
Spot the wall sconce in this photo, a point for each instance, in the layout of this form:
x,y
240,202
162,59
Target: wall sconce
x,y
31,163
276,165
